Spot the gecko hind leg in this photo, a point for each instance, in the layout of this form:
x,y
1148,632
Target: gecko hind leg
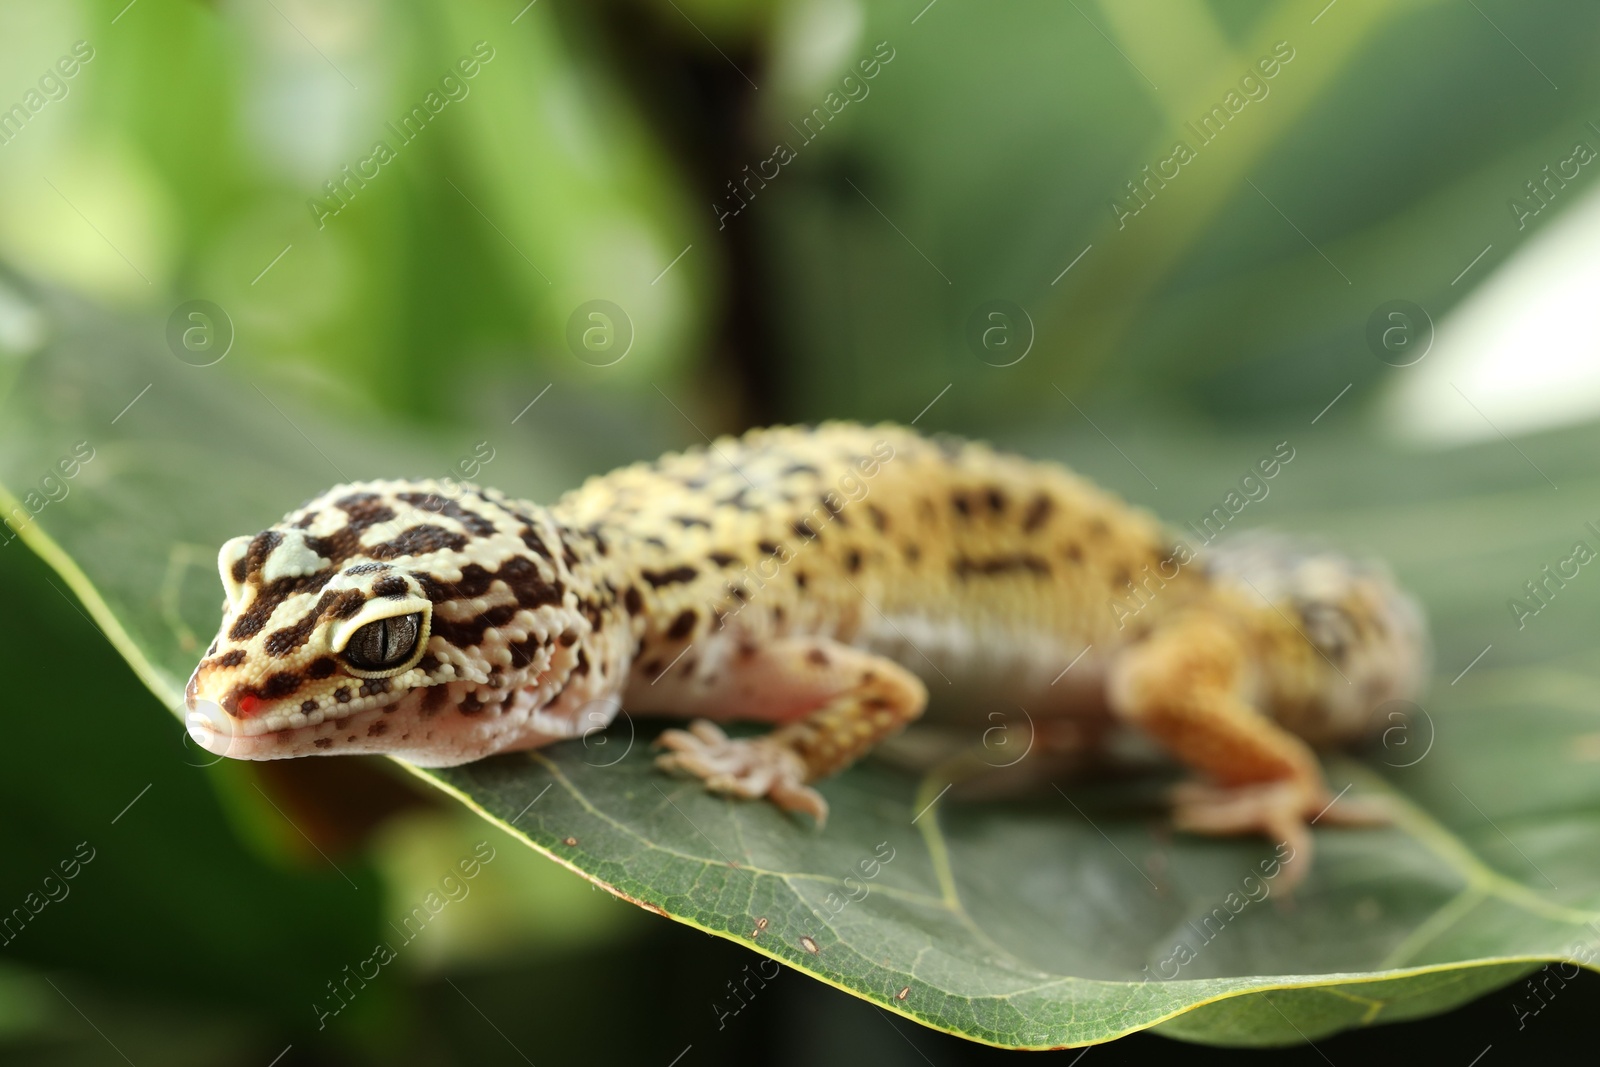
x,y
1182,687
834,703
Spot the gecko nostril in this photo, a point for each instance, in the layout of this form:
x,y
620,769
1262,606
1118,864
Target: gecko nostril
x,y
239,703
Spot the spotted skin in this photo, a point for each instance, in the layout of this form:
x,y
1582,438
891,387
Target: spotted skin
x,y
821,580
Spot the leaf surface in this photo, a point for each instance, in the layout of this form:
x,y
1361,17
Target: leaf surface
x,y
1069,914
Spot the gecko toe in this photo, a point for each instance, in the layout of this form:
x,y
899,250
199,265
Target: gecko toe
x,y
747,767
708,732
792,797
1279,810
678,741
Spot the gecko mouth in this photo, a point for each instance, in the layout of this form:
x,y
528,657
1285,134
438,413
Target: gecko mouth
x,y
216,731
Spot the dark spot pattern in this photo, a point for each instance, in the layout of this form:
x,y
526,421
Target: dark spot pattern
x,y
261,547
524,651
347,604
270,596
676,575
248,625
535,543
965,567
419,541
289,639
337,546
682,625
365,510
1038,513
471,521
394,587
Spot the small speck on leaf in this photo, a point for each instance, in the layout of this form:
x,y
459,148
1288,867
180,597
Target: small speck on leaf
x,y
809,945
569,841
905,990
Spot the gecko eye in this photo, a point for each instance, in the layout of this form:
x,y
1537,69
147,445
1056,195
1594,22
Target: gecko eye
x,y
384,643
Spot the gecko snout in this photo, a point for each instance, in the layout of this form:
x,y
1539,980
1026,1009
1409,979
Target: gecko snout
x,y
209,726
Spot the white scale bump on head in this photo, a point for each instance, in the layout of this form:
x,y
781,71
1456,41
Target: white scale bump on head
x,y
293,558
327,521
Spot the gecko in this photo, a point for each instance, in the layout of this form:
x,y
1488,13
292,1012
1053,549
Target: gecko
x,y
818,580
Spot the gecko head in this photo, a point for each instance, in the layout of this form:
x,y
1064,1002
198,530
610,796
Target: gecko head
x,y
1364,641
377,619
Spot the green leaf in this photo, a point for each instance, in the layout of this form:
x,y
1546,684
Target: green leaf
x,y
1044,918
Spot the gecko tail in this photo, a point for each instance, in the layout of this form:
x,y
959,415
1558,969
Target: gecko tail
x,y
1351,608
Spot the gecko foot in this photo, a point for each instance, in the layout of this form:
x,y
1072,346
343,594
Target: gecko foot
x,y
1282,811
748,767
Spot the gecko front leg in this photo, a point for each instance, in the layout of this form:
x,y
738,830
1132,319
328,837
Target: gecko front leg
x,y
833,704
1183,686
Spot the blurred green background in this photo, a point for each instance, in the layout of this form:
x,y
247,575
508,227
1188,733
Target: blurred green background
x,y
792,210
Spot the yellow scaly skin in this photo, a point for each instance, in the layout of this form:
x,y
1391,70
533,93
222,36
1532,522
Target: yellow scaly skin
x,y
814,579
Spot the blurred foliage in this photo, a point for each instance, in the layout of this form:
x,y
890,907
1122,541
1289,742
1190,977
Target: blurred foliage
x,y
999,138
599,143
591,159
188,152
